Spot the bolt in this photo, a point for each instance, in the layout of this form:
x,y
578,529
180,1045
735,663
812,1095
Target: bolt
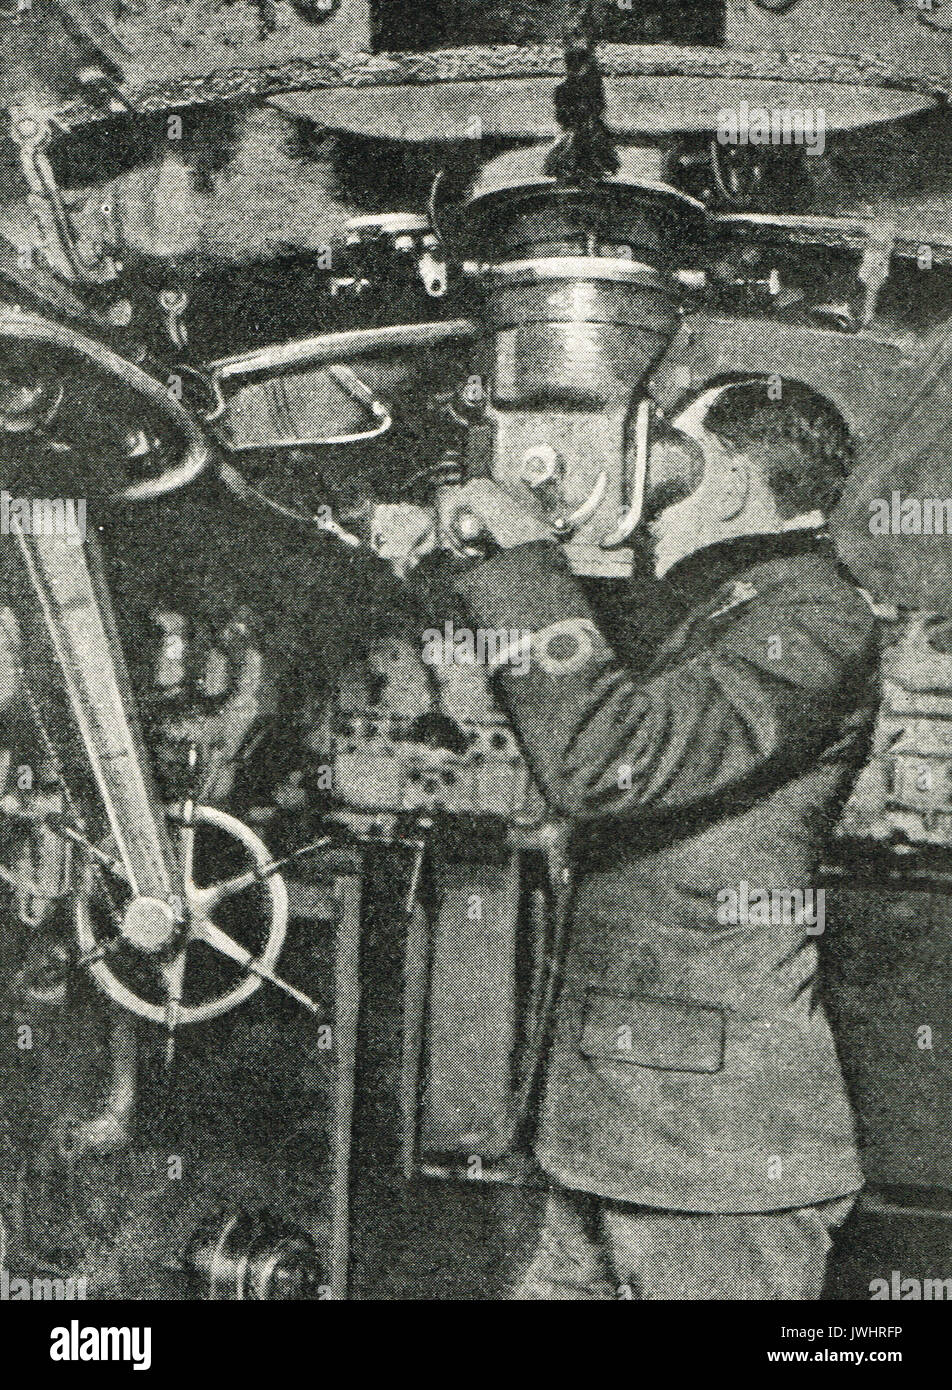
x,y
119,313
539,465
468,526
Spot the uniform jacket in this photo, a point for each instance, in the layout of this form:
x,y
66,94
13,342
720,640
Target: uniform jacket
x,y
692,1066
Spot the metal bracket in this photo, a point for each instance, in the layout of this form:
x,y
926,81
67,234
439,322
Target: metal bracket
x,y
875,267
32,131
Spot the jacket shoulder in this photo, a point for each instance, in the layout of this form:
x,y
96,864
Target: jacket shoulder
x,y
801,621
812,581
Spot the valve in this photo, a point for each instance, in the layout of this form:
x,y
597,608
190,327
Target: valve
x,y
399,235
159,936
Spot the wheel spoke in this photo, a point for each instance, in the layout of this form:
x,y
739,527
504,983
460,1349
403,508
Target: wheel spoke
x,y
205,900
187,856
204,930
173,978
105,861
97,953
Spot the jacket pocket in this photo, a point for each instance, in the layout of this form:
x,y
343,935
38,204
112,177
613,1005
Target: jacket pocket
x,y
662,1034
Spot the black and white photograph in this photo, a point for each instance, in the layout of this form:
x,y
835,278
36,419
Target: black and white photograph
x,y
476,661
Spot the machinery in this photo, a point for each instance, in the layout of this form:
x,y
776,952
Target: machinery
x,y
56,384
554,298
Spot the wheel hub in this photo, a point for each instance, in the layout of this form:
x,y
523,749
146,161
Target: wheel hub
x,y
149,924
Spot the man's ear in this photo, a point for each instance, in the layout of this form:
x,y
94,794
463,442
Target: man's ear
x,y
732,489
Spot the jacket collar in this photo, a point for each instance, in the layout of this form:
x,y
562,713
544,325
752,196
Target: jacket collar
x,y
698,577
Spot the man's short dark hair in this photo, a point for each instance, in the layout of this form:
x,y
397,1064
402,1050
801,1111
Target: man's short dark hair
x,y
799,439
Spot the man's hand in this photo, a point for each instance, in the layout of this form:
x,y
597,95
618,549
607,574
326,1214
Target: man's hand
x,y
466,518
402,534
506,518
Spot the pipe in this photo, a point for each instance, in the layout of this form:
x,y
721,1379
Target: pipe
x,y
333,347
110,1129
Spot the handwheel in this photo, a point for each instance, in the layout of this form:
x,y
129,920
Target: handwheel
x,y
154,937
78,420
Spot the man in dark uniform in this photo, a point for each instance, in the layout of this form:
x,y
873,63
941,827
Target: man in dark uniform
x,y
693,1120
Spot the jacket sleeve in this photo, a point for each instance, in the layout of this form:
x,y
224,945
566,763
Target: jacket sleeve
x,y
764,696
